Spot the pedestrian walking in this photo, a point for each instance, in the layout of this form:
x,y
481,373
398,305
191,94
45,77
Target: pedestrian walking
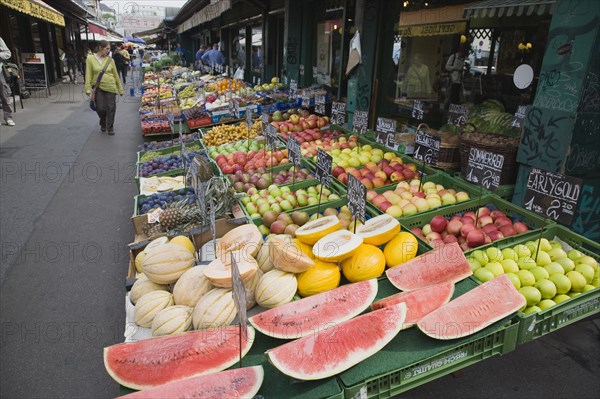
x,y
101,73
121,58
5,54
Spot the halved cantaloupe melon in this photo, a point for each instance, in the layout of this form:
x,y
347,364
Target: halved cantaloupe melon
x,y
379,230
246,238
314,230
337,246
218,272
287,256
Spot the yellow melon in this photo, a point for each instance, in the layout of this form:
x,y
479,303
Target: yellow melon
x,y
379,230
184,242
323,276
337,246
366,263
400,249
316,229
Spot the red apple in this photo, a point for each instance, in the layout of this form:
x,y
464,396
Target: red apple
x,y
488,228
433,236
467,220
470,214
483,211
520,227
388,170
367,183
378,182
467,228
502,221
343,178
378,199
338,170
496,214
396,176
371,194
438,223
455,217
417,231
508,230
385,205
408,174
454,226
496,235
449,239
475,238
483,220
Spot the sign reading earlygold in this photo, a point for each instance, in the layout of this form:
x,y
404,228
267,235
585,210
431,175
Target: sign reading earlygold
x,y
449,28
36,9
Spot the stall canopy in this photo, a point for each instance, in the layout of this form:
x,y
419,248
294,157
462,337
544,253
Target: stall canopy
x,y
509,8
37,9
208,13
446,20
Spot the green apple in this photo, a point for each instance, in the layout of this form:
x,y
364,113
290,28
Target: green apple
x,y
574,254
509,253
514,279
554,267
495,267
566,263
313,201
532,309
251,208
522,251
578,282
526,263
494,254
286,205
482,274
556,253
264,230
473,264
481,257
543,258
546,303
333,197
276,208
526,277
533,247
546,287
562,282
586,271
561,298
509,266
532,295
587,259
286,190
588,287
544,244
539,273
555,244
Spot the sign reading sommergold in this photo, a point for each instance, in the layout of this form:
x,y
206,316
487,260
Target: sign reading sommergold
x,y
449,28
36,9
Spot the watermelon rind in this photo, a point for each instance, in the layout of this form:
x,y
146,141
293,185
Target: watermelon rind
x,y
135,370
230,384
350,337
297,314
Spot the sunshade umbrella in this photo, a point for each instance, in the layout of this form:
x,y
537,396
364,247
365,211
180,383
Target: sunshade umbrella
x,y
138,40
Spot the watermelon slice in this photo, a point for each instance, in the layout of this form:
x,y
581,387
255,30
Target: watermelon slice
x,y
156,361
442,265
474,310
314,313
339,347
419,302
236,383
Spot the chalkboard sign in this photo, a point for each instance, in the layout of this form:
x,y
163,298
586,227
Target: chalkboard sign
x,y
417,111
294,154
293,88
231,107
458,115
484,168
360,121
427,148
236,109
239,295
320,104
271,136
552,194
324,161
519,119
265,124
338,113
249,120
357,198
385,132
34,71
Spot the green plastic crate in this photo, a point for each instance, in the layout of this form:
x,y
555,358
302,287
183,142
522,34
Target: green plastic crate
x,y
176,149
505,191
535,325
412,358
516,213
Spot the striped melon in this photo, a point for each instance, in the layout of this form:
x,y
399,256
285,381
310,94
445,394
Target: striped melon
x,y
172,320
191,286
275,288
148,306
215,309
164,264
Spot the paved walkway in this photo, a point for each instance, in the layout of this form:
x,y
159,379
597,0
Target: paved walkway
x,y
66,200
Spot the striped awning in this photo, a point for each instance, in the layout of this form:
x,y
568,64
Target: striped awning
x,y
509,8
37,9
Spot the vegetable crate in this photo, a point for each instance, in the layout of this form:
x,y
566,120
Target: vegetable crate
x,y
535,325
195,145
516,213
395,369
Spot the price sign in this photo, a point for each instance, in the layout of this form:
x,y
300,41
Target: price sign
x,y
315,71
239,295
484,168
305,100
236,109
427,148
324,161
386,132
185,155
249,120
253,80
231,107
272,136
519,120
338,113
265,124
258,81
320,104
360,121
357,198
417,111
458,115
552,194
301,67
285,80
294,154
293,88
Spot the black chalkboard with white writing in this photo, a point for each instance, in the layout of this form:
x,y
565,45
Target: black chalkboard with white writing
x,y
357,198
427,148
324,162
338,113
484,168
360,121
458,115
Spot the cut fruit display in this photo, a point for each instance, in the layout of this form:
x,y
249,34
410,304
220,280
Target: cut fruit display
x,y
156,361
313,314
244,238
442,265
419,303
379,230
314,230
287,256
331,351
218,272
474,310
337,246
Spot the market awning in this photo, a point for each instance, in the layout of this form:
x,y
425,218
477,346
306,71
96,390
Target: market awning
x,y
509,8
97,28
208,13
37,9
446,20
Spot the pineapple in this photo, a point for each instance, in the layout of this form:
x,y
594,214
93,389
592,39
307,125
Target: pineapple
x,y
155,231
179,213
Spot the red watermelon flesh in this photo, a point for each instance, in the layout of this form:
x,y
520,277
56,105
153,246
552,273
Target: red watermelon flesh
x,y
442,265
474,310
314,313
236,383
339,347
156,361
419,302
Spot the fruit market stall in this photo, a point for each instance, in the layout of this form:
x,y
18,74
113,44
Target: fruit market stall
x,y
366,279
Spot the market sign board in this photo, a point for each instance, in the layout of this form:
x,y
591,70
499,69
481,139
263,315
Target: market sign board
x,y
320,104
385,132
294,152
552,195
36,10
324,162
338,113
484,168
427,148
360,121
458,115
357,198
519,120
35,75
449,28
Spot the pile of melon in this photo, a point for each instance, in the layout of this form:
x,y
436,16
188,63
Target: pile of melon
x,y
173,295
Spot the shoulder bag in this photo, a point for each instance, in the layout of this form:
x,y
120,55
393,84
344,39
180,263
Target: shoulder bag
x,y
96,86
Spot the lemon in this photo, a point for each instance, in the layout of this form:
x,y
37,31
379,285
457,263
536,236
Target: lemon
x,y
400,249
184,242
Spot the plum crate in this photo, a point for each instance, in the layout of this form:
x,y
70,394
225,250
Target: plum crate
x,y
395,369
138,198
535,325
178,172
195,145
516,213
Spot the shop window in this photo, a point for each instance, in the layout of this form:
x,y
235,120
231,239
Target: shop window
x,y
329,49
35,34
238,50
481,52
257,50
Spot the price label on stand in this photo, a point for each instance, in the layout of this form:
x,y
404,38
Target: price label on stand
x,y
360,121
484,168
253,80
265,124
324,162
427,148
272,136
305,100
294,154
320,104
239,294
417,111
315,72
236,109
293,88
249,115
385,132
552,195
519,119
338,113
357,198
458,115
231,107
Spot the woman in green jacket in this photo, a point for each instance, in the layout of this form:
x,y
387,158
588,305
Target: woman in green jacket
x,y
109,87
